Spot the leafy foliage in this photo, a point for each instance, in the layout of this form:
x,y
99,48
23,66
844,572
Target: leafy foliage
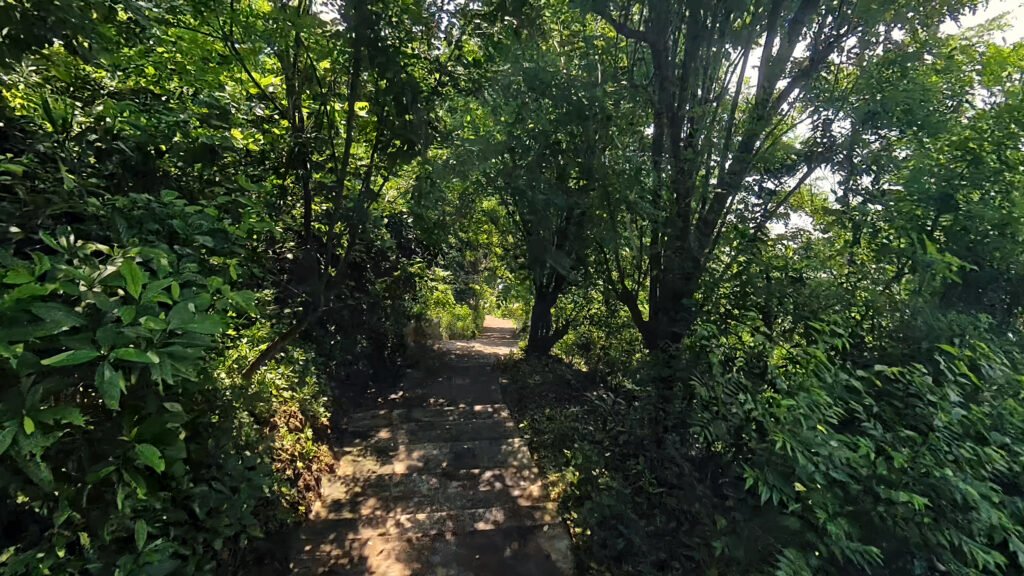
x,y
768,256
847,399
104,349
156,166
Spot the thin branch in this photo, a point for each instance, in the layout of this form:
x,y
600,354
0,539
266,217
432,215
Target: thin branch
x,y
233,49
770,212
621,28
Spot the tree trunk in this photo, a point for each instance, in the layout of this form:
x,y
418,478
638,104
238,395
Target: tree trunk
x,y
677,309
543,335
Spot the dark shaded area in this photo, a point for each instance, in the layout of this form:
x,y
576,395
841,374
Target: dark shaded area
x,y
432,476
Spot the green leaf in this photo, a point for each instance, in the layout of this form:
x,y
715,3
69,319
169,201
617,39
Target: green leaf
x,y
19,276
153,323
135,355
38,472
205,324
110,383
154,291
38,442
175,290
61,413
29,290
42,262
132,277
179,315
63,316
246,299
50,241
141,531
99,474
28,425
245,183
63,511
70,358
127,314
15,169
150,456
6,437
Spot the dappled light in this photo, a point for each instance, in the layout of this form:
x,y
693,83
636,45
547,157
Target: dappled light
x,y
512,287
438,484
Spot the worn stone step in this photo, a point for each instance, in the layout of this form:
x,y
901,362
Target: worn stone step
x,y
358,497
434,457
542,550
438,484
391,437
331,531
377,419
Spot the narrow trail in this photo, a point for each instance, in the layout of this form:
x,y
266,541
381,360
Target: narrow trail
x,y
438,482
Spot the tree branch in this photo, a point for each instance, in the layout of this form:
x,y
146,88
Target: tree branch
x,y
621,28
229,40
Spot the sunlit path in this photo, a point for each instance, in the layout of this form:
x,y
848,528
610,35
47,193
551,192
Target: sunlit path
x,y
438,482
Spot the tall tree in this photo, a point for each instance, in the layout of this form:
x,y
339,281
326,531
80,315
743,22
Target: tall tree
x,y
549,113
712,135
546,138
375,119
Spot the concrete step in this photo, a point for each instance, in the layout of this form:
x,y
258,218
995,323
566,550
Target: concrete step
x,y
331,531
450,490
434,457
464,385
433,432
377,419
542,550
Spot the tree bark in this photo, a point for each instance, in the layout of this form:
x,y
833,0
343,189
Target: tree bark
x,y
540,341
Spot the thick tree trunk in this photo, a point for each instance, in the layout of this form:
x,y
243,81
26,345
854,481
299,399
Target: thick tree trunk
x,y
543,332
677,308
540,341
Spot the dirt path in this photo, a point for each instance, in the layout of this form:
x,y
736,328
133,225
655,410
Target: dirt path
x,y
438,482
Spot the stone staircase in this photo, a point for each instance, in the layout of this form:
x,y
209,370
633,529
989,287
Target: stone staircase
x,y
436,486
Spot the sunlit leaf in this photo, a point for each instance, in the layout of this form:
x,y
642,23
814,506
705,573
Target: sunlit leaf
x,y
70,358
149,455
132,275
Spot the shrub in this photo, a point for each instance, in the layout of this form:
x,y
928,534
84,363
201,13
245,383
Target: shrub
x,y
911,469
282,414
604,341
440,315
772,458
120,447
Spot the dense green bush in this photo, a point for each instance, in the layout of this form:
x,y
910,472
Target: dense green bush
x,y
129,439
908,469
114,416
772,458
602,341
439,315
282,414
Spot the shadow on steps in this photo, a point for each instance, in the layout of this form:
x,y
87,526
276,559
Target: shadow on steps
x,y
436,480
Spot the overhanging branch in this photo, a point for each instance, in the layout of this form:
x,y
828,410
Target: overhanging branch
x,y
621,28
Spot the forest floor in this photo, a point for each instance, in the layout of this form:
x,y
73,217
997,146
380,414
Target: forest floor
x,y
436,480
